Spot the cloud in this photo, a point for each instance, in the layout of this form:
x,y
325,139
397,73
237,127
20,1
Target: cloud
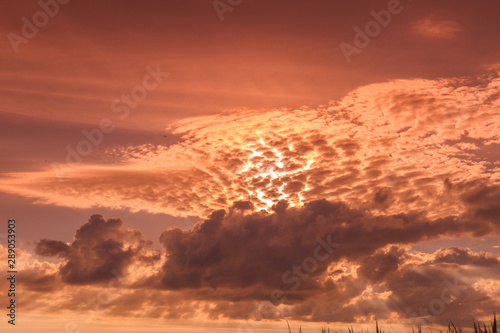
x,y
37,276
52,248
387,166
239,250
101,251
41,277
235,258
388,147
459,256
434,28
229,263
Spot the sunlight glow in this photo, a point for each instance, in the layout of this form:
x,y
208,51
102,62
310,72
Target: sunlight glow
x,y
271,171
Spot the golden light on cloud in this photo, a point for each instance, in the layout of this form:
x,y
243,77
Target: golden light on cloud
x,y
389,135
267,164
228,165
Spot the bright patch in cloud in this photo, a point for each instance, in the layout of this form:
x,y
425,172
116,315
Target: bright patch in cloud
x,y
390,147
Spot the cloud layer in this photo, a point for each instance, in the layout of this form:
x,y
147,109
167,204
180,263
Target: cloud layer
x,y
388,166
389,147
102,250
326,261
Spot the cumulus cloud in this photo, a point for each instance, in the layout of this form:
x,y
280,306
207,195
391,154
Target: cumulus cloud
x,y
388,166
241,250
101,251
330,261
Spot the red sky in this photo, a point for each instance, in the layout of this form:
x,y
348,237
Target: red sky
x,y
252,137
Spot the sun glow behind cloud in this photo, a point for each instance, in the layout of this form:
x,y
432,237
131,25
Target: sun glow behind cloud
x,y
272,169
390,147
398,156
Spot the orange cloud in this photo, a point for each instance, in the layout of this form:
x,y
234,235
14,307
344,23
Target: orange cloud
x,y
387,146
430,27
230,264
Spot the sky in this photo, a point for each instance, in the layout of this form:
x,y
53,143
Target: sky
x,y
234,165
